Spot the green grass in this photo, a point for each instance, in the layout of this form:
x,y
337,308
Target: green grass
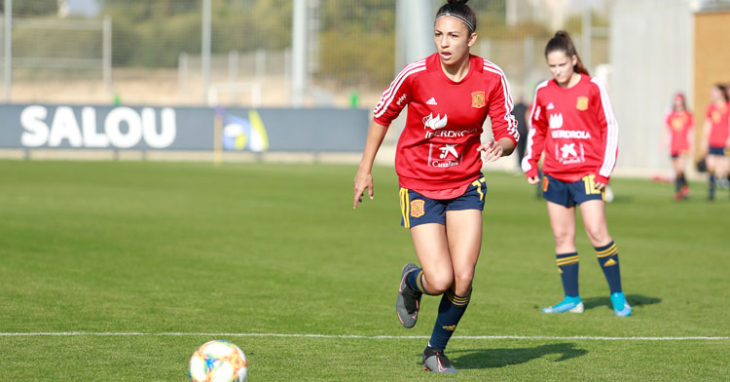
x,y
192,248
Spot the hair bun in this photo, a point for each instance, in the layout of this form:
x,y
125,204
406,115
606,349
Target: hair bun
x,y
457,1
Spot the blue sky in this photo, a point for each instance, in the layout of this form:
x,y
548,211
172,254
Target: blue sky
x,y
84,7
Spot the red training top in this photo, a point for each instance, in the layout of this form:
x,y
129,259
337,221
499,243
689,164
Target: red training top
x,y
718,117
437,150
577,130
679,124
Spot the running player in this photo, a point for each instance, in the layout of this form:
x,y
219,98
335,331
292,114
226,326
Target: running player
x,y
716,133
573,122
679,123
449,96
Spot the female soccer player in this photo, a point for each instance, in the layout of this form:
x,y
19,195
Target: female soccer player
x,y
449,95
573,123
679,123
716,131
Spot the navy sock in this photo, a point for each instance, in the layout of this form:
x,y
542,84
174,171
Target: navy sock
x,y
451,309
712,184
608,259
415,281
568,268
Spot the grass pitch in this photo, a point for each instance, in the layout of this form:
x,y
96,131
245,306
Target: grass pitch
x,y
146,258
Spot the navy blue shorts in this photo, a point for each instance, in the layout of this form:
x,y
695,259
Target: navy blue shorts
x,y
569,194
417,209
717,150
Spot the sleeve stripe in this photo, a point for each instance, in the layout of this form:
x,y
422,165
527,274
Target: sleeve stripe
x,y
392,90
528,151
511,121
609,157
528,146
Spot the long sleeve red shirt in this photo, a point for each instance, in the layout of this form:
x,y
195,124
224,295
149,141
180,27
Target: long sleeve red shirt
x,y
577,130
437,149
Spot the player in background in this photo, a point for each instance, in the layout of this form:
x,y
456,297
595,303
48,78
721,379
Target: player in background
x,y
439,156
716,135
679,123
574,124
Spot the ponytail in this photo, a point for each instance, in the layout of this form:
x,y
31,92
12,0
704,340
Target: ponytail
x,y
562,42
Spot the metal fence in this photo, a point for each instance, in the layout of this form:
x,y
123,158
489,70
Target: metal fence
x,y
149,52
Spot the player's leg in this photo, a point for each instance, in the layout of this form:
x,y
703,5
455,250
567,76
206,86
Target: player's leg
x,y
711,167
426,219
594,220
562,223
464,233
721,170
432,250
680,184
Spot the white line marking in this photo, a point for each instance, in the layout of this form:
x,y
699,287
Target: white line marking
x,y
355,336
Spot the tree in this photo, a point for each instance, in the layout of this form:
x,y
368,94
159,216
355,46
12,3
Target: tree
x,y
32,8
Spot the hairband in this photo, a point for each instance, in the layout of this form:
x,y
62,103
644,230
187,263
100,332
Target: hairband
x,y
468,24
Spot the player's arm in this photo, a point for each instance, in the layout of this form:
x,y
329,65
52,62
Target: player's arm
x,y
504,123
363,177
706,135
535,141
392,102
609,126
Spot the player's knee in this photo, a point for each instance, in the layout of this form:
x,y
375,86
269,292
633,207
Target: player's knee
x,y
462,283
597,235
462,280
439,282
563,238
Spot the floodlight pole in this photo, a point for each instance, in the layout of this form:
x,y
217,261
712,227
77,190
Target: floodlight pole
x,y
205,49
8,47
299,53
586,26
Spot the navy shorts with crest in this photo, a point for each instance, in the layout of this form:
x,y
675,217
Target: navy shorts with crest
x,y
569,194
417,209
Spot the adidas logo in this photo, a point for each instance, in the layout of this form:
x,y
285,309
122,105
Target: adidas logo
x,y
550,106
450,328
609,263
432,101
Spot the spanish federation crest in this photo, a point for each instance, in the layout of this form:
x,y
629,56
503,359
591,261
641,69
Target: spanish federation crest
x,y
582,103
417,209
478,99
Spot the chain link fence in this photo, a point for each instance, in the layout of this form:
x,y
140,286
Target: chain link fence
x,y
149,51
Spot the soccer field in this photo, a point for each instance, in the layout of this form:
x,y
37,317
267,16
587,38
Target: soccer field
x,y
120,270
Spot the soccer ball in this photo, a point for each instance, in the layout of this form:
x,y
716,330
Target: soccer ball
x,y
218,361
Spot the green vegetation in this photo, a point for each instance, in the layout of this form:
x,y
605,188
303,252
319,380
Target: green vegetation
x,y
266,248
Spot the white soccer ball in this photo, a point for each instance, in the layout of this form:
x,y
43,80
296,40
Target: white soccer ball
x,y
218,361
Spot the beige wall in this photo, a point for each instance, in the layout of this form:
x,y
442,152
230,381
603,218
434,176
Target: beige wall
x,y
711,62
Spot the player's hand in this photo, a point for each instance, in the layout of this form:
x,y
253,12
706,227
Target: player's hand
x,y
599,186
491,151
361,182
533,179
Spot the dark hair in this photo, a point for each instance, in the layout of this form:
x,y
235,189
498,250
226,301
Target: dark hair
x,y
562,42
459,9
723,90
680,95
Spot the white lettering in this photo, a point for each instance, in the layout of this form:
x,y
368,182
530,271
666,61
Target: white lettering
x,y
167,127
36,131
92,138
123,127
449,133
437,163
64,126
571,134
113,129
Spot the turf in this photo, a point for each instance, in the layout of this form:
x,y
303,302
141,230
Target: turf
x,y
145,247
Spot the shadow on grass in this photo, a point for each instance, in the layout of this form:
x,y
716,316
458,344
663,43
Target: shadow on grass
x,y
494,358
633,299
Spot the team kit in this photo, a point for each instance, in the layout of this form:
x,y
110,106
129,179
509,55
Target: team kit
x,y
571,150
